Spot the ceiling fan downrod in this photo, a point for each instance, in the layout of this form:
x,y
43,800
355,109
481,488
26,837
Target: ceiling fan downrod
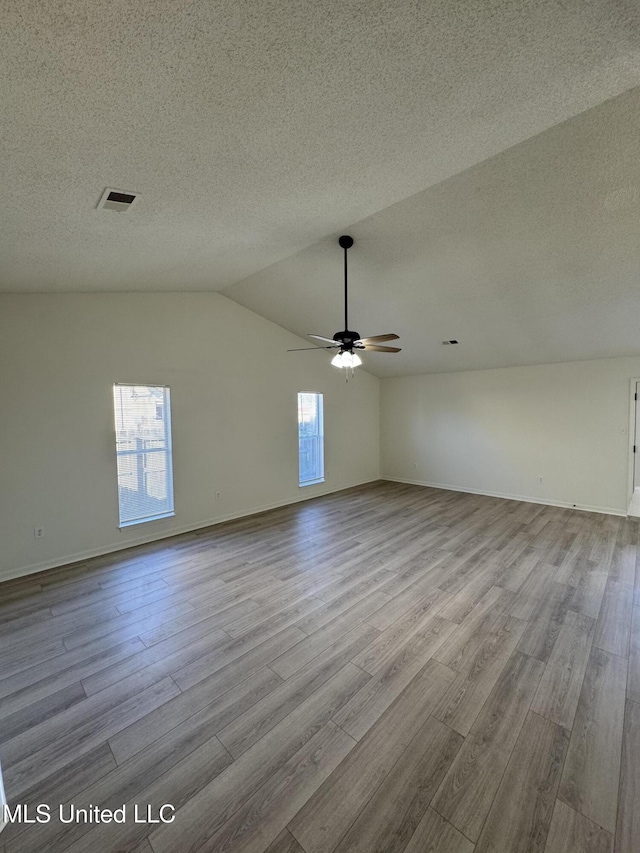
x,y
346,243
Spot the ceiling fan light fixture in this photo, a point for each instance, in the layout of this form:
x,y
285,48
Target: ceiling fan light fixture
x,y
346,359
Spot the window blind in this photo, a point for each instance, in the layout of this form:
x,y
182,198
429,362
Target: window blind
x,y
310,439
143,451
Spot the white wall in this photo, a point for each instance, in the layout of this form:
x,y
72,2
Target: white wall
x,y
234,416
498,431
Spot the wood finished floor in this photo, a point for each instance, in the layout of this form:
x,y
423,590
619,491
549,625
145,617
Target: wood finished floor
x,y
391,669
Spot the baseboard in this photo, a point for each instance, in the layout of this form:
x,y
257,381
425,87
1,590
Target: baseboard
x,y
113,548
525,498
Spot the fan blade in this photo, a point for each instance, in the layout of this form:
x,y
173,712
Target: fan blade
x,y
329,340
304,349
374,348
378,339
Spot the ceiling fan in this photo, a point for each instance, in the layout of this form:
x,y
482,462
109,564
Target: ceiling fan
x,y
348,342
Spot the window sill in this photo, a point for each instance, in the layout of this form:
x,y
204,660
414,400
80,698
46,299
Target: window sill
x,y
124,524
310,483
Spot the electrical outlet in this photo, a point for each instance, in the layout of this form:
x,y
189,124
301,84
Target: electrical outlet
x,y
540,479
217,496
38,532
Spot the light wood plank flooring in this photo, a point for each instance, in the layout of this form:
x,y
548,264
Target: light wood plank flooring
x,y
390,669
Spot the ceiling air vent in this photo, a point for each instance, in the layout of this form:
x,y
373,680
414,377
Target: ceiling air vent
x,y
449,343
117,200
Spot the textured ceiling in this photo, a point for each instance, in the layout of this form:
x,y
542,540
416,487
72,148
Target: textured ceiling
x,y
531,256
255,130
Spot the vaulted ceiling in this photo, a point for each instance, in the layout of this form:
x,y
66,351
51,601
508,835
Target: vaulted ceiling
x,y
484,155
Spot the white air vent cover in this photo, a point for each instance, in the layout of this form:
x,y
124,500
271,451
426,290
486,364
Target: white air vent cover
x,y
117,200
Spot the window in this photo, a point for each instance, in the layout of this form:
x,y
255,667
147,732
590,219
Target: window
x,y
143,450
310,439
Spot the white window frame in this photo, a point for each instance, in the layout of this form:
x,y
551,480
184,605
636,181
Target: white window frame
x,y
168,449
320,435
